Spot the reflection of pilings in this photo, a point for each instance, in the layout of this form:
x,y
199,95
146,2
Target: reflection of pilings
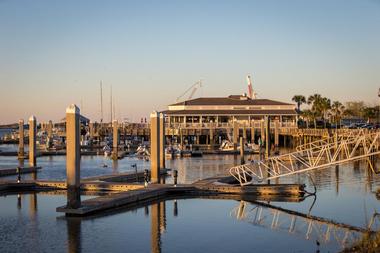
x,y
19,201
162,216
73,235
175,208
115,165
33,204
280,219
155,228
337,179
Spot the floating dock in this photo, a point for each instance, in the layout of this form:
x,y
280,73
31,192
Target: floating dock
x,y
134,194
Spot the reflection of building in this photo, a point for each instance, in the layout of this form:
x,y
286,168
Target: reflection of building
x,y
203,118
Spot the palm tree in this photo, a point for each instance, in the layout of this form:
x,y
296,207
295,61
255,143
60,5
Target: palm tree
x,y
299,99
324,107
309,115
316,103
337,111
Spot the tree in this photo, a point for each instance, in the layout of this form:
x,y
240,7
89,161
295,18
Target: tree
x,y
325,105
316,106
336,112
309,115
369,113
354,109
299,99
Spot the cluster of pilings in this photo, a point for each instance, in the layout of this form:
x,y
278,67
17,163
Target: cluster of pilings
x,y
32,142
73,151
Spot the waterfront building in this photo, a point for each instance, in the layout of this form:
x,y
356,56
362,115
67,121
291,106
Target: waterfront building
x,y
200,119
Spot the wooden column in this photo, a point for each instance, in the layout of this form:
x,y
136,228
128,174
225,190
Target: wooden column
x,y
267,136
242,150
162,141
276,133
32,141
21,139
154,146
115,139
73,156
235,134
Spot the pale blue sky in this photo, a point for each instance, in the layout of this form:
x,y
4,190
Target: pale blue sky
x,y
56,52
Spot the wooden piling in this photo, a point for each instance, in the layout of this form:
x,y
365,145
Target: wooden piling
x,y
154,146
73,156
162,141
267,137
242,161
235,134
32,141
115,141
21,139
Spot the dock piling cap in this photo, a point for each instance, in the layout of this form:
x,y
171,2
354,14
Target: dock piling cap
x,y
154,114
73,109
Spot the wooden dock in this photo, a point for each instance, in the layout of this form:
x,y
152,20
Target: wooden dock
x,y
134,194
13,171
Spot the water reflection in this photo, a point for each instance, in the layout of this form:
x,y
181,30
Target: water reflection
x,y
74,235
298,224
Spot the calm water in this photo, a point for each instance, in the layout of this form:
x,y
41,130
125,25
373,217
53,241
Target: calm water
x,y
344,195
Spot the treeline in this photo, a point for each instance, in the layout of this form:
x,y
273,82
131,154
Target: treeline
x,y
322,108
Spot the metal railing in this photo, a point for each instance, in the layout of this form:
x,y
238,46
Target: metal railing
x,y
309,158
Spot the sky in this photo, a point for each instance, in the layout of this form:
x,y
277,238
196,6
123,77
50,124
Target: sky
x,y
55,53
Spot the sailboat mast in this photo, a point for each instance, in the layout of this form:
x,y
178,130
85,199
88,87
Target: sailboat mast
x,y
101,101
111,105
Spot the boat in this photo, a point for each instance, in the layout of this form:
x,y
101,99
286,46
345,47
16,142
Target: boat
x,y
107,151
173,151
226,146
142,150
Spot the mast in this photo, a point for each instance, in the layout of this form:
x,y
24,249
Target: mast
x,y
111,105
101,101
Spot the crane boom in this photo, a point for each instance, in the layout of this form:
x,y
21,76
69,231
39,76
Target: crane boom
x,y
193,89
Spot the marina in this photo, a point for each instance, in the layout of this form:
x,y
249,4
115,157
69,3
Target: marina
x,y
189,126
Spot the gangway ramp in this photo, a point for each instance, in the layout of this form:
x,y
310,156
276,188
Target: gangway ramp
x,y
311,157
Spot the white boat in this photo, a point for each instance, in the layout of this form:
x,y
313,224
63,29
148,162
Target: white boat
x,y
248,147
226,146
173,151
142,150
107,151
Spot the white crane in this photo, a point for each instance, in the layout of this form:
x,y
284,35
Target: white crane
x,y
193,88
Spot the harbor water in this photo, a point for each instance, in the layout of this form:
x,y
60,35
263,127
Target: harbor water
x,y
345,195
